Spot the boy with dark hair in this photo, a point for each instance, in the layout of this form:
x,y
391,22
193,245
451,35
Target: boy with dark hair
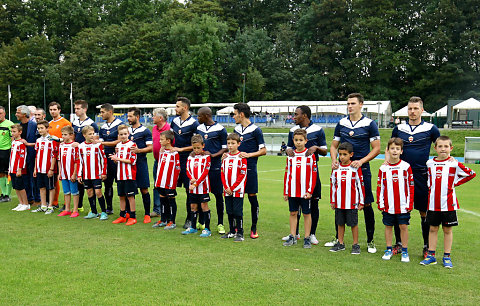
x,y
198,167
92,171
395,193
444,174
17,167
299,183
68,165
166,183
347,195
234,174
45,166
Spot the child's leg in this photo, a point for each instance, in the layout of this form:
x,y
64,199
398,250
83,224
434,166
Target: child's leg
x,y
404,235
92,200
131,200
307,219
388,235
206,215
447,239
67,199
75,202
193,214
23,196
432,238
51,194
17,192
43,196
172,203
121,199
293,222
355,234
164,209
341,233
101,199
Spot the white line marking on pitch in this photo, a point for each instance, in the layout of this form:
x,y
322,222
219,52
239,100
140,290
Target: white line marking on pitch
x,y
470,212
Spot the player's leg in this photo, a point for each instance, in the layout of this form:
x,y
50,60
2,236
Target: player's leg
x,y
157,208
121,199
108,183
206,232
432,238
88,184
230,214
251,188
404,234
420,203
98,193
368,209
388,236
238,212
133,208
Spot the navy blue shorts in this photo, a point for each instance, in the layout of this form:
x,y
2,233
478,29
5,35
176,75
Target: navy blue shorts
x,y
215,177
251,185
183,179
111,172
92,184
367,181
168,193
445,218
234,206
4,160
199,198
392,219
126,188
420,197
18,183
143,181
43,181
295,203
346,216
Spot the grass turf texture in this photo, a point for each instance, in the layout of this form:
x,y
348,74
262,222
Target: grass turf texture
x,y
59,260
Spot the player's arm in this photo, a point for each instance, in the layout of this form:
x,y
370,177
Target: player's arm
x,y
184,149
464,174
375,144
147,149
109,143
380,186
334,152
411,189
219,153
333,190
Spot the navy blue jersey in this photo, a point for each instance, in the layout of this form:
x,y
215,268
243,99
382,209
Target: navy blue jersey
x,y
142,137
251,140
79,125
215,138
315,137
360,134
184,130
109,132
417,141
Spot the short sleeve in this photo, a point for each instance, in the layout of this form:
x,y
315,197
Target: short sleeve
x,y
395,132
373,131
148,137
223,138
336,133
290,140
95,127
434,133
322,142
259,138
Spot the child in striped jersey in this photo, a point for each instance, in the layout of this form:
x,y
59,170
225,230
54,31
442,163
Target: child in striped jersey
x,y
198,167
347,194
234,174
166,183
299,183
17,167
395,191
126,160
68,165
444,174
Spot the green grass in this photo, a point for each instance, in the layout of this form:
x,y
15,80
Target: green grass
x,y
55,260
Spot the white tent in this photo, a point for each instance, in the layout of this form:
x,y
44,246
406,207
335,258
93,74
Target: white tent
x,y
225,111
468,104
403,112
441,112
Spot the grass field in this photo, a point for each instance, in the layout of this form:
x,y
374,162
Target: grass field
x,y
58,260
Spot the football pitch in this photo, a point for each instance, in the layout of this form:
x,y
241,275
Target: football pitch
x,y
58,260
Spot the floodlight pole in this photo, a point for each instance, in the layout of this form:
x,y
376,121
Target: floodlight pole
x,y
243,95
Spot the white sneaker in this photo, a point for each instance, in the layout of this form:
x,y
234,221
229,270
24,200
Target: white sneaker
x,y
24,207
331,243
39,209
313,239
49,211
18,207
286,237
371,247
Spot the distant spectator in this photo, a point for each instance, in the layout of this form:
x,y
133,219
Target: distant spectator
x,y
283,148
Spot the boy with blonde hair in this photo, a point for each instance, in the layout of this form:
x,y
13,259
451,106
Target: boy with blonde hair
x,y
68,165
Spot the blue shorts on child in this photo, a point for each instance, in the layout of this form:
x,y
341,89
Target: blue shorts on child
x,y
392,219
69,187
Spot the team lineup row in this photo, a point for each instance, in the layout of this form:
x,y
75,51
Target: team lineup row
x,y
200,172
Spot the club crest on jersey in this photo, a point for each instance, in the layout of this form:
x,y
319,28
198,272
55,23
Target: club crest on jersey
x,y
410,138
395,177
351,133
108,132
241,138
180,132
205,136
439,173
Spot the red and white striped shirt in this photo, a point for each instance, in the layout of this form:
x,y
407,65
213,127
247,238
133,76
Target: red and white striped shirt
x,y
300,175
395,188
234,174
68,157
168,170
126,171
443,177
18,157
346,187
93,162
46,149
198,167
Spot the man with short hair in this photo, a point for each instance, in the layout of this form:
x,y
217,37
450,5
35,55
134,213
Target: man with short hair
x,y
143,139
417,136
317,145
108,136
39,114
80,108
55,129
361,132
184,127
252,145
5,146
160,118
215,140
29,137
33,109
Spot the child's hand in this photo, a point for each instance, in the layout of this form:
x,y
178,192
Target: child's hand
x,y
191,187
50,173
285,198
35,173
332,205
80,180
193,181
228,191
104,177
360,206
19,173
224,155
307,196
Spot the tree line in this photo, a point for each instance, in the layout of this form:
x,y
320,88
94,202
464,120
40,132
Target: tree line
x,y
150,51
